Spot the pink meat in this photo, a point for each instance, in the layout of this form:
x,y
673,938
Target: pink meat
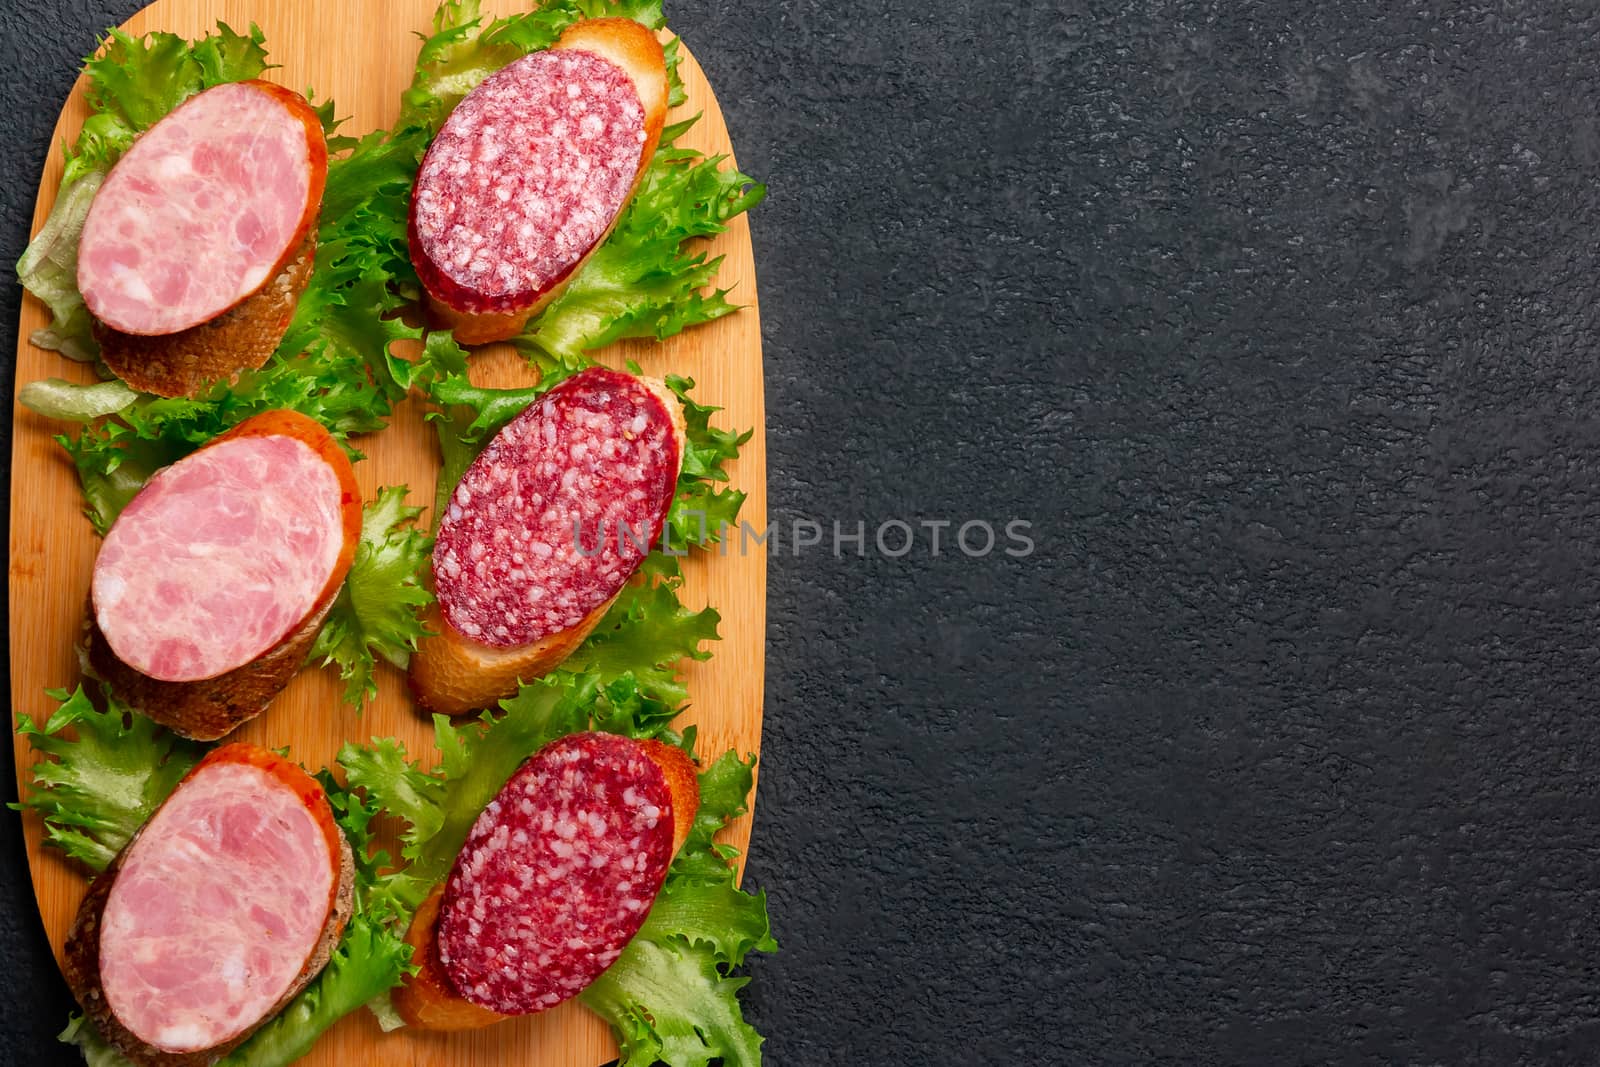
x,y
558,511
557,874
525,177
218,558
197,214
215,910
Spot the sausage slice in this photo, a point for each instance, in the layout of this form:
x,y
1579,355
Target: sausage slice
x,y
198,244
210,586
218,911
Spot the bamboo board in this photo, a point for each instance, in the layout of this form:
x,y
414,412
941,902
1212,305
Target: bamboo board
x,y
361,53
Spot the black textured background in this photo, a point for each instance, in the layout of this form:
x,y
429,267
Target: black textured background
x,y
1276,320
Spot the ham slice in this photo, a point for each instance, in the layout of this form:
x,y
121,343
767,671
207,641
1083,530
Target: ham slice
x,y
218,911
198,244
212,582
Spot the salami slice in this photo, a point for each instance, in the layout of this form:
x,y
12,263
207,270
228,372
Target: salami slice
x,y
542,532
220,556
224,905
531,171
557,874
558,511
208,206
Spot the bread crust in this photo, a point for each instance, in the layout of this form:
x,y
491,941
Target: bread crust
x,y
452,674
82,966
638,54
427,1000
219,350
210,708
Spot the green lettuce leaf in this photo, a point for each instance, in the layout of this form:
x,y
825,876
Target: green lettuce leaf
x,y
99,784
49,270
369,961
56,398
701,513
647,633
94,1048
669,1003
462,52
138,80
377,610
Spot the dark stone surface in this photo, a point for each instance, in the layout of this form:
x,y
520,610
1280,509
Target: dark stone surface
x,y
1277,320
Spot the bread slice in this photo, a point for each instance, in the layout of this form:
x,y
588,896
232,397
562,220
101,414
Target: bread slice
x,y
452,674
184,363
210,708
213,707
638,54
428,1001
82,958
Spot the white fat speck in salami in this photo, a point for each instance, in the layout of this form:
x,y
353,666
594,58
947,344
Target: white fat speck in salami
x,y
201,211
557,512
216,908
557,874
527,174
219,557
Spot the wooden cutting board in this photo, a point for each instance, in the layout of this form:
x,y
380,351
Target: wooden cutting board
x,y
361,53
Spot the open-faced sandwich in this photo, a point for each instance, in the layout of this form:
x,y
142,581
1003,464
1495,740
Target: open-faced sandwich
x,y
222,907
541,533
555,879
201,239
214,581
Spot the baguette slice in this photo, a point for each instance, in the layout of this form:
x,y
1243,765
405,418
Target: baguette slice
x,y
428,1000
453,674
208,708
83,964
478,318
